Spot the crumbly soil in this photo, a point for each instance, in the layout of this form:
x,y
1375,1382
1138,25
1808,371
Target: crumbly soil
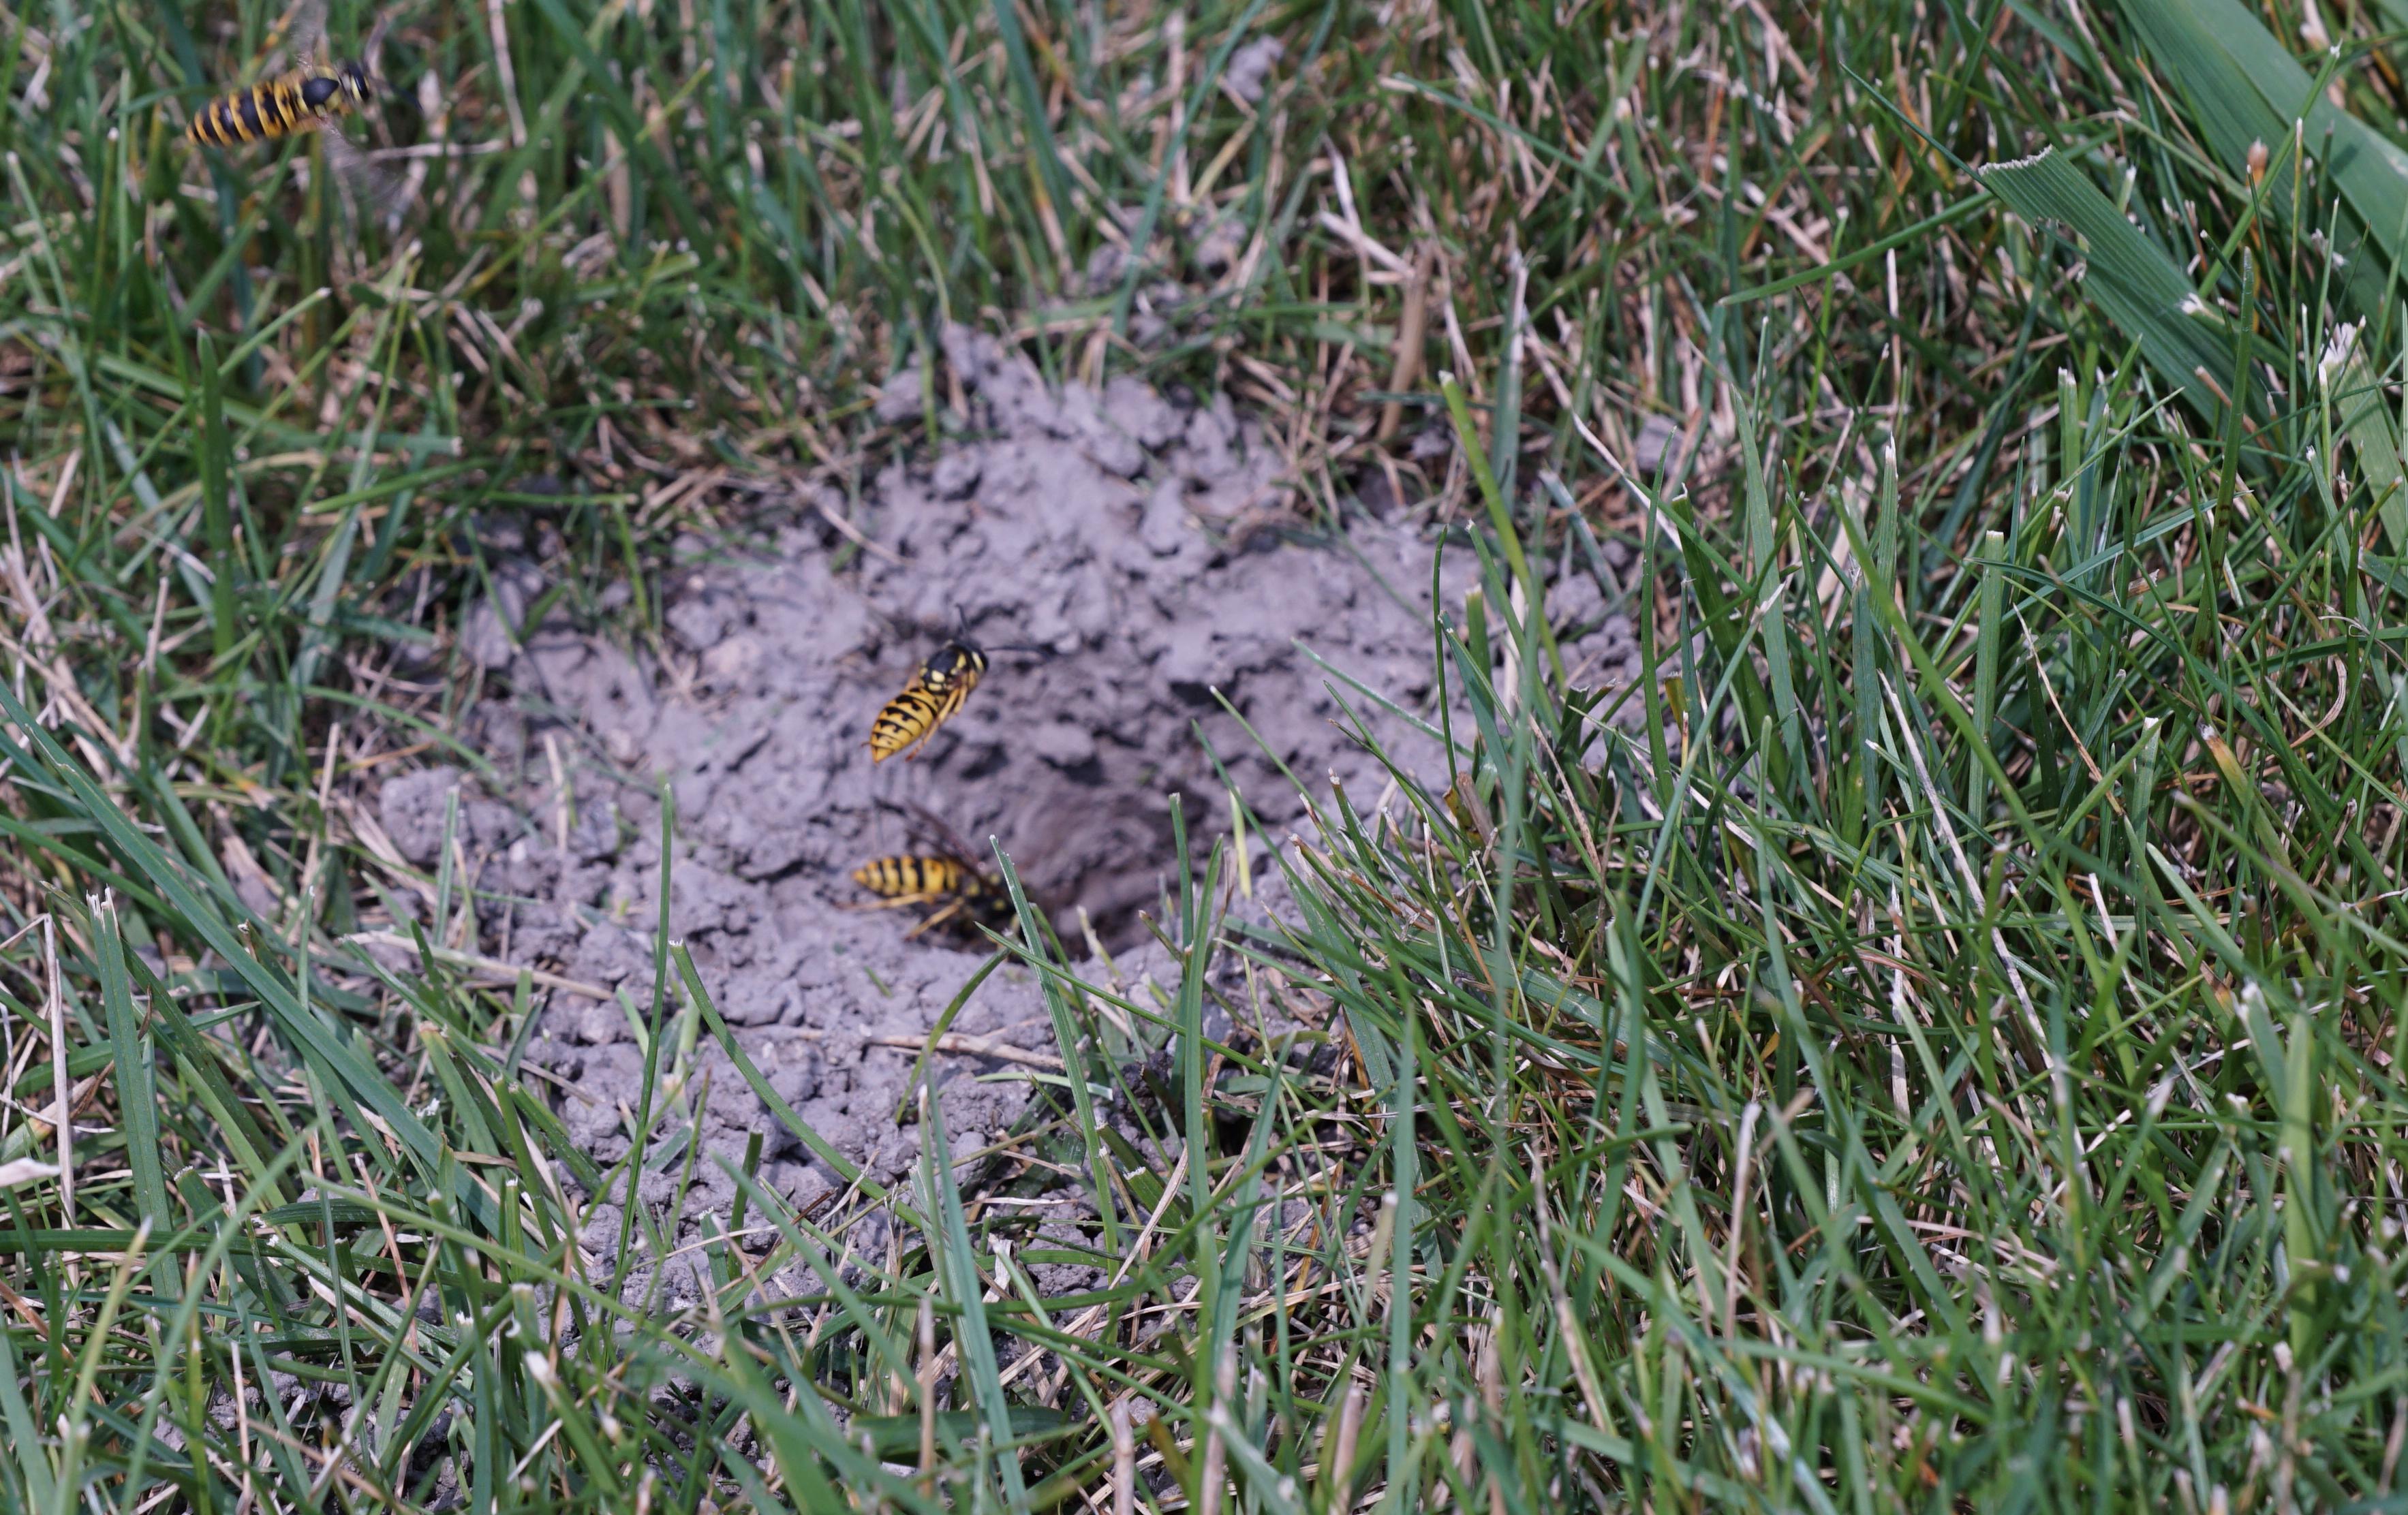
x,y
1134,540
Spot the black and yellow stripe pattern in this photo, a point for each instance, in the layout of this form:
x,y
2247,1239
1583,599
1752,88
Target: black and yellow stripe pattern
x,y
962,895
300,101
934,696
919,880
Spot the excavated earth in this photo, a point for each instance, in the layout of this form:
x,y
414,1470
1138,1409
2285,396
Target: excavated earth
x,y
1130,540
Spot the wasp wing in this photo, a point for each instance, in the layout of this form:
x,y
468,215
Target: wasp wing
x,y
944,839
301,34
374,192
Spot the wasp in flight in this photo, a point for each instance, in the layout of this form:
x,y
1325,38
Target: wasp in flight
x,y
934,695
311,96
944,878
299,101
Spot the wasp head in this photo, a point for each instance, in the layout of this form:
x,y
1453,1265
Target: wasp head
x,y
954,661
348,85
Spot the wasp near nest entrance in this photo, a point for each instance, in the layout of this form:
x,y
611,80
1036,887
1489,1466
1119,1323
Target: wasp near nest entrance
x,y
935,694
943,877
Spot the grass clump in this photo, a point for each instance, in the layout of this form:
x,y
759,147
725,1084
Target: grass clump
x,y
1933,1043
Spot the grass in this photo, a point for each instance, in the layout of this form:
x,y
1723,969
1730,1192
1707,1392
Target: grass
x,y
1944,1052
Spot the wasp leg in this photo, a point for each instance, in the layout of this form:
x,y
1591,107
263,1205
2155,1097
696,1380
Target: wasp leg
x,y
895,902
936,920
949,705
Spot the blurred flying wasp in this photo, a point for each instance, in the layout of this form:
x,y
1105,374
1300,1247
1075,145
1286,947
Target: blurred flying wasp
x,y
300,100
933,695
943,877
313,94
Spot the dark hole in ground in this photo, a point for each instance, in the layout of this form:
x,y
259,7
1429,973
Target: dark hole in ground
x,y
1086,524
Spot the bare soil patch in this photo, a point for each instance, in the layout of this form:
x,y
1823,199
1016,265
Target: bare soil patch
x,y
1130,538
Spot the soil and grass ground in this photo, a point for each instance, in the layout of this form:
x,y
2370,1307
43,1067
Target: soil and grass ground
x,y
1930,1041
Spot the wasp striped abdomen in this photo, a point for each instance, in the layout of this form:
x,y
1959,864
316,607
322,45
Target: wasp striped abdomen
x,y
918,879
278,107
960,892
934,696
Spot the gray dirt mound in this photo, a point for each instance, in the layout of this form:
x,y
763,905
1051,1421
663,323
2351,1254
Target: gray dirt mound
x,y
1124,536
